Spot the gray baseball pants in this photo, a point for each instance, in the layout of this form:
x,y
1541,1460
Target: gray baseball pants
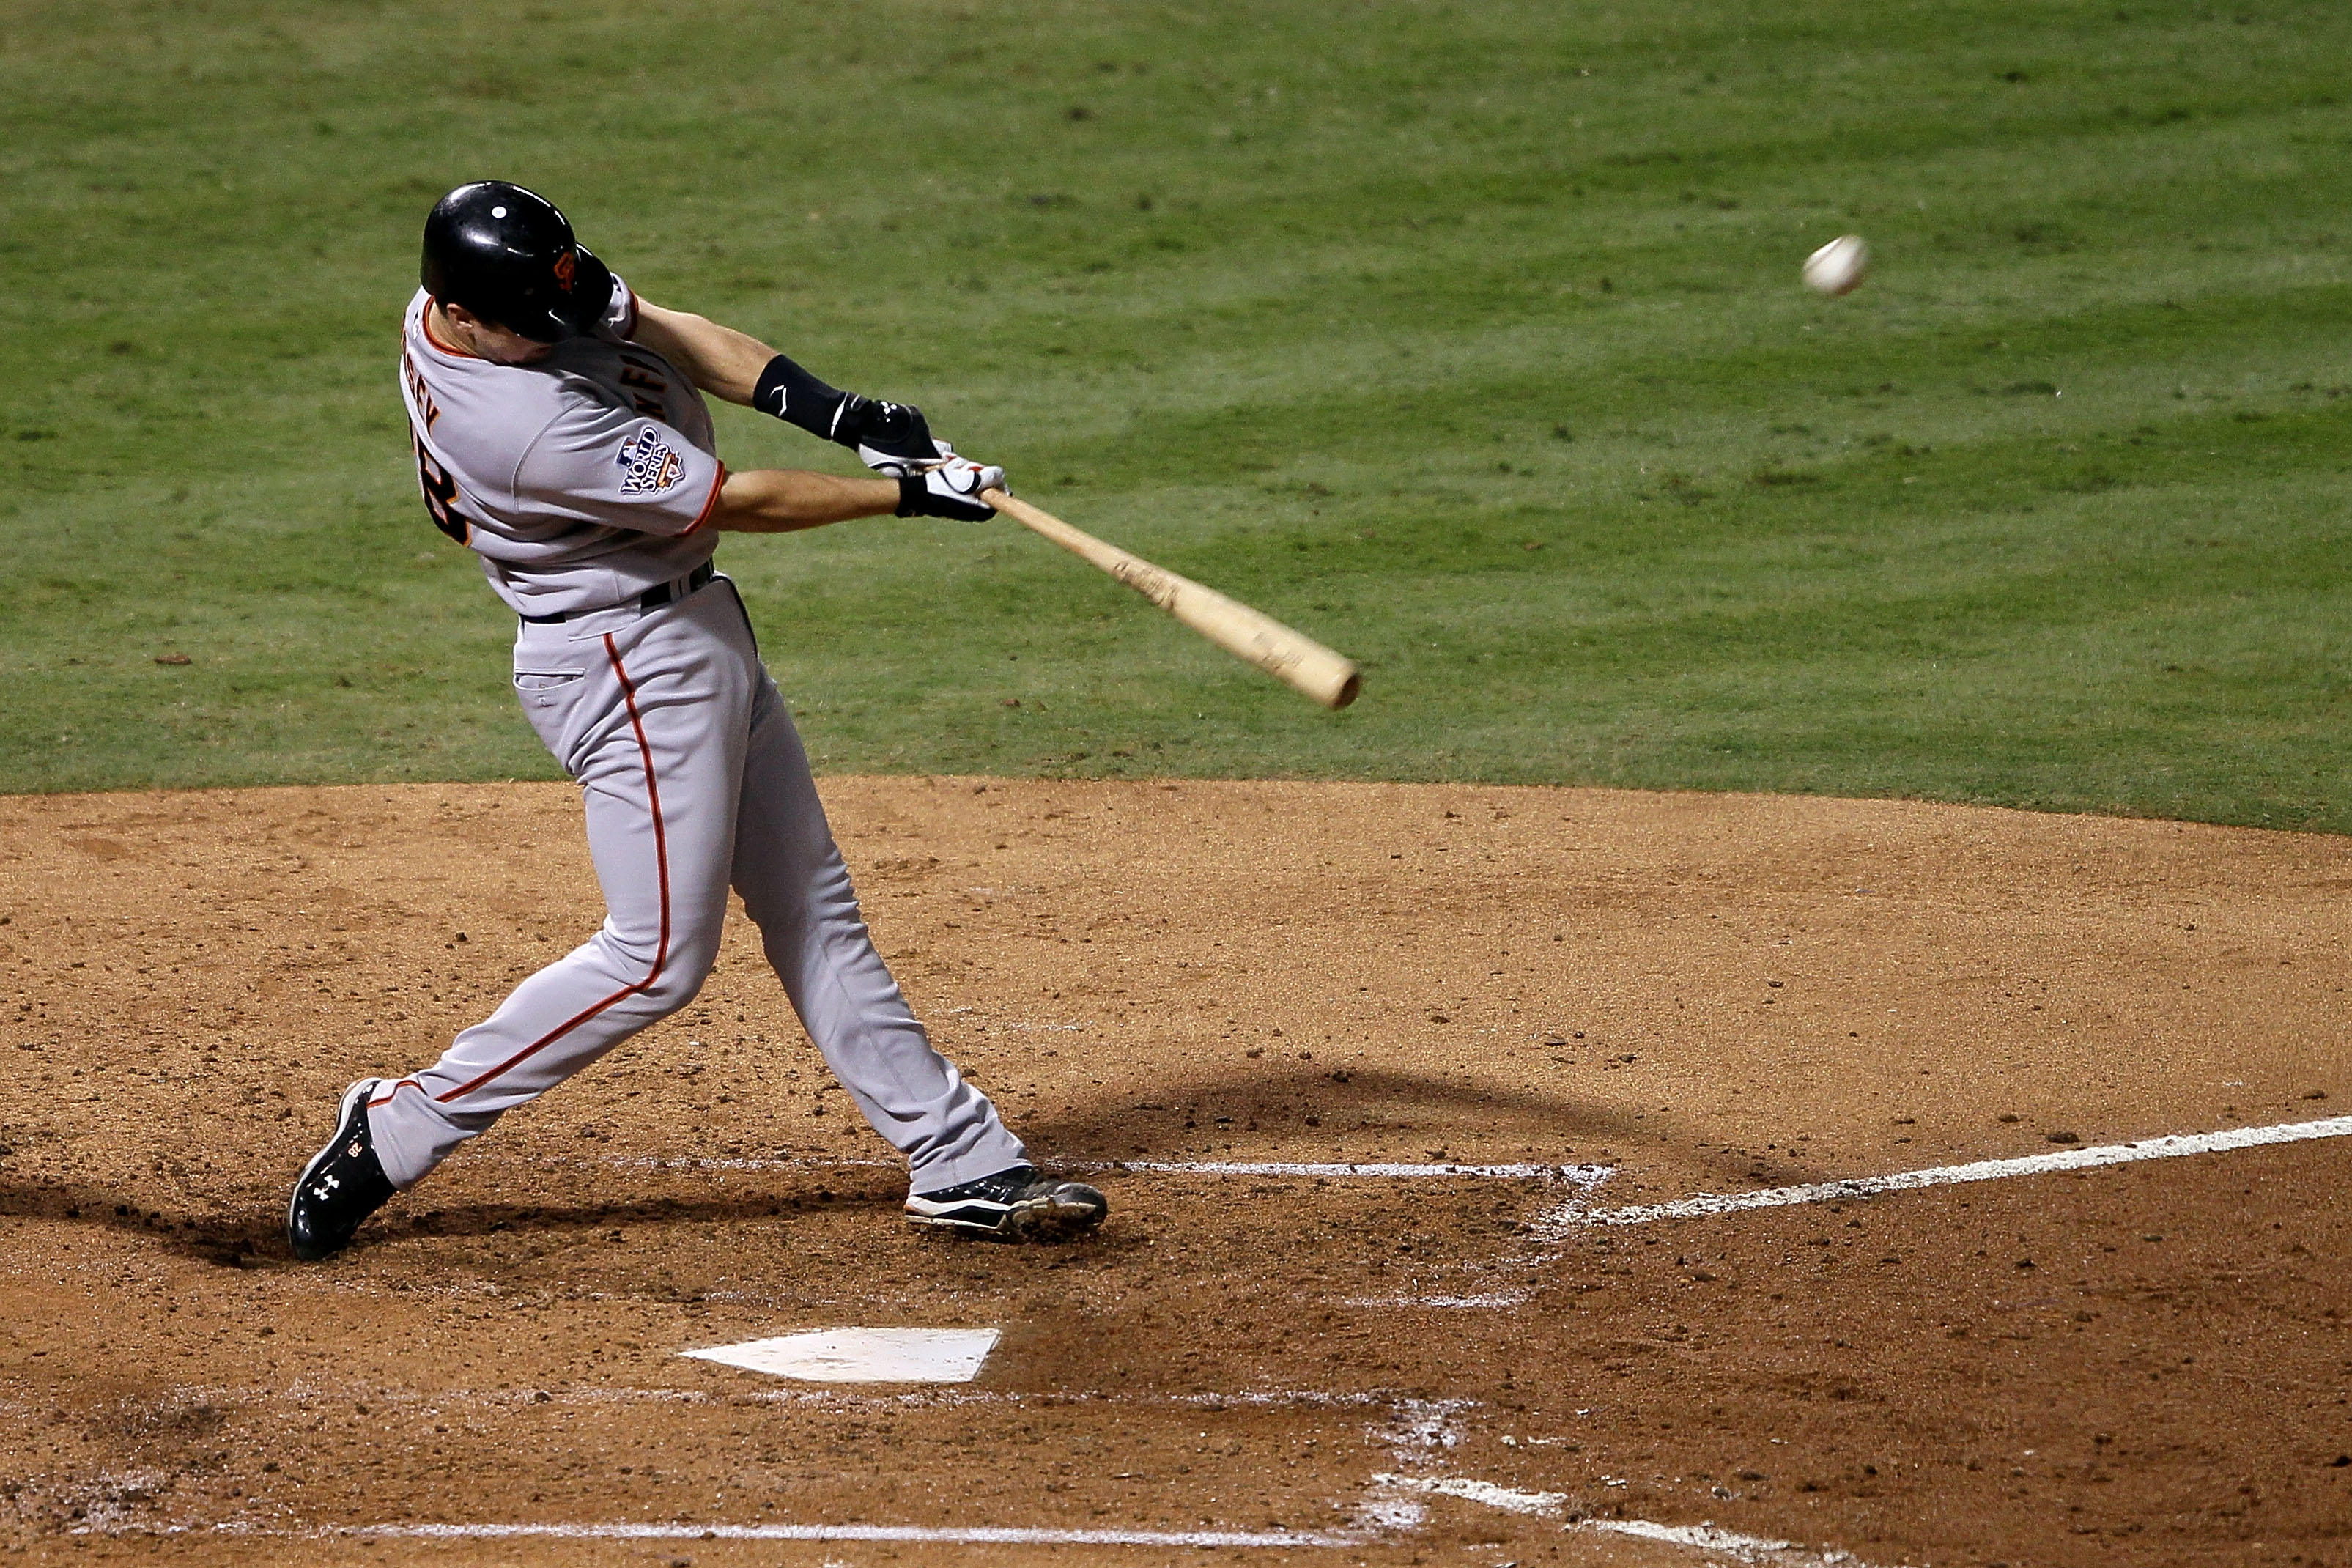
x,y
694,781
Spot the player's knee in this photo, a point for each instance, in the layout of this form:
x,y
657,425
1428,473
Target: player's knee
x,y
674,971
667,995
680,977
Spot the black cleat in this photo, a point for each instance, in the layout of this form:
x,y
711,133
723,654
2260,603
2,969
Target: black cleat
x,y
343,1185
1016,1205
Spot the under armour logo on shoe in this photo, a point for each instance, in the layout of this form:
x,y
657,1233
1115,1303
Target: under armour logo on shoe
x,y
326,1187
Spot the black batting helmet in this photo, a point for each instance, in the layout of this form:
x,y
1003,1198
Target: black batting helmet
x,y
507,254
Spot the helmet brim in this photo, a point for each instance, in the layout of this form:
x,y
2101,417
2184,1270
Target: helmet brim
x,y
569,315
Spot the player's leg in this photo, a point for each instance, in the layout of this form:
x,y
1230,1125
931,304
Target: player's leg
x,y
797,890
652,726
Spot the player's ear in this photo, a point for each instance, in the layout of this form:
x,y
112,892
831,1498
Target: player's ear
x,y
467,319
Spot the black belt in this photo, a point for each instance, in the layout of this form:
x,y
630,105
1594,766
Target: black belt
x,y
653,598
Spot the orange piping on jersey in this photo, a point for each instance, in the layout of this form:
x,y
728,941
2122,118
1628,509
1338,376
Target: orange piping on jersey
x,y
426,319
712,504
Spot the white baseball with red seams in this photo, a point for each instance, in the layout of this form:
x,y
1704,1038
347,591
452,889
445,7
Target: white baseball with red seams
x,y
583,479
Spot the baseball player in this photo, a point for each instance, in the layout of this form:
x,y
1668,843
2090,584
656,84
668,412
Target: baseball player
x,y
560,433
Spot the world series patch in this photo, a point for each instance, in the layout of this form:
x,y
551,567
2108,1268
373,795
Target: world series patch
x,y
649,465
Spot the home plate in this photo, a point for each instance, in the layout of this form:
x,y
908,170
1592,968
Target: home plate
x,y
864,1355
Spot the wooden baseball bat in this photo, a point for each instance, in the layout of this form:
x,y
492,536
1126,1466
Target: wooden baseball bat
x,y
1290,657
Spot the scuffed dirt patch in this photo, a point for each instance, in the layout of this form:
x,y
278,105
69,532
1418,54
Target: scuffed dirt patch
x,y
2139,1365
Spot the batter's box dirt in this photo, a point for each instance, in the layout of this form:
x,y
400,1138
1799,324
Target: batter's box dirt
x,y
1238,984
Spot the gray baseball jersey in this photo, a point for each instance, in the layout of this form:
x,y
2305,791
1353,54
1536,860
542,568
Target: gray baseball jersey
x,y
581,479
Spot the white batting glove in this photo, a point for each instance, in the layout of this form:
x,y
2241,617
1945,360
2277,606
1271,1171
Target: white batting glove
x,y
951,490
898,465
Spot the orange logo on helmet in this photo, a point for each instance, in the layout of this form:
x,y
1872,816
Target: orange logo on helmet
x,y
565,264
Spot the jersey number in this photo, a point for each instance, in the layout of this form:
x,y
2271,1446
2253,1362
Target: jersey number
x,y
440,493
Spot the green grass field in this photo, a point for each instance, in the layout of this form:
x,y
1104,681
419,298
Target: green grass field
x,y
1466,337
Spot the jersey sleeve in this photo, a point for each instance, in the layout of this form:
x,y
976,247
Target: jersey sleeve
x,y
609,466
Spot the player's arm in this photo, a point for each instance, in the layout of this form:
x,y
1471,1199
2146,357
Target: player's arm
x,y
891,438
786,501
721,361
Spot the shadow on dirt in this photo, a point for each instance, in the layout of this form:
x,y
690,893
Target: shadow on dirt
x,y
1265,1115
257,1238
1268,1112
237,1240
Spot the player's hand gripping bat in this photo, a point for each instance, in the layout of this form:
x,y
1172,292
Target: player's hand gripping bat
x,y
1290,656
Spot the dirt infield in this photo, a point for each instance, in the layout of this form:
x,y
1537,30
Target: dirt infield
x,y
2141,1364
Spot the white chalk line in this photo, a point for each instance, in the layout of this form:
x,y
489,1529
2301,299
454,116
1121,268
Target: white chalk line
x,y
306,1395
1572,1215
1486,1492
1484,1301
1553,1224
963,1535
1752,1549
1370,1170
1415,1424
1582,1175
723,1163
1708,1538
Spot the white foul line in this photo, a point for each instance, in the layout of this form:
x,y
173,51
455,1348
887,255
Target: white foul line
x,y
968,1535
1753,1549
1486,1492
1704,1537
1708,1538
1582,1175
2168,1148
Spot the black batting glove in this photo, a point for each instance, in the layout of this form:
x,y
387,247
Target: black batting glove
x,y
891,438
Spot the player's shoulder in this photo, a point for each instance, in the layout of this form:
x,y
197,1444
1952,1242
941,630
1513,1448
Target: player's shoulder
x,y
501,399
589,369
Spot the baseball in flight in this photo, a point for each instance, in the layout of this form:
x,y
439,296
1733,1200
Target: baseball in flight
x,y
1839,267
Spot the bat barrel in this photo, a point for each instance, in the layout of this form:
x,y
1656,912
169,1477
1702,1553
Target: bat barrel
x,y
1290,656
